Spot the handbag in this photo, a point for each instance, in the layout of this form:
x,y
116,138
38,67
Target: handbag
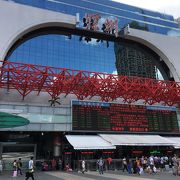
x,y
14,173
31,170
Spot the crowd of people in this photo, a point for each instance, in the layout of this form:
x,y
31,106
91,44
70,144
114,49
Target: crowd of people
x,y
151,164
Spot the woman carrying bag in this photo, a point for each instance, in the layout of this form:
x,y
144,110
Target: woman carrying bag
x,y
14,168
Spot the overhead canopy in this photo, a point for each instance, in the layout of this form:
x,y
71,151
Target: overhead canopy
x,y
136,140
8,120
88,142
176,141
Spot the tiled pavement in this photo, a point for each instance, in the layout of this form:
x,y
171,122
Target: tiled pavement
x,y
111,175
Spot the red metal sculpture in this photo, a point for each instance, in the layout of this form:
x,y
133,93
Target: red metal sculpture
x,y
26,78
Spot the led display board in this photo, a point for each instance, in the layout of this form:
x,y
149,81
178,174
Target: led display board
x,y
103,116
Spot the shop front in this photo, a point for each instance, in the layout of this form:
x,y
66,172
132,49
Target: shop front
x,y
113,148
89,148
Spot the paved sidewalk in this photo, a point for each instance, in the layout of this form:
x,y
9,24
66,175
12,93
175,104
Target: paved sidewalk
x,y
93,175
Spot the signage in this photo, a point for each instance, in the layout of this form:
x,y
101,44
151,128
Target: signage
x,y
67,153
87,152
101,23
137,152
155,152
107,152
103,116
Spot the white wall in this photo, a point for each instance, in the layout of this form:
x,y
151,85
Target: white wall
x,y
17,20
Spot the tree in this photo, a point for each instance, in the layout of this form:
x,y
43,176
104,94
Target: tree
x,y
54,101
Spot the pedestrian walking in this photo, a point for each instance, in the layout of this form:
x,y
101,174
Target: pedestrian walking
x,y
139,169
175,165
100,163
83,165
129,166
30,172
124,162
14,168
151,163
162,164
19,167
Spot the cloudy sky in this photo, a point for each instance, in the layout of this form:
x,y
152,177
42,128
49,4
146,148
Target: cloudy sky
x,y
165,6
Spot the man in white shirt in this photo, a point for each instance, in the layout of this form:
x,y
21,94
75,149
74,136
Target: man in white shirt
x,y
31,169
124,162
151,161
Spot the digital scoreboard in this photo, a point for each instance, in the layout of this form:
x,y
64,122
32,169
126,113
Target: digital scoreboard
x,y
102,116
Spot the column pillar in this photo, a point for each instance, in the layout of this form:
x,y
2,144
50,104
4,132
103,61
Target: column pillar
x,y
57,145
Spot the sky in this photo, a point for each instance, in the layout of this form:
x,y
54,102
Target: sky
x,y
171,7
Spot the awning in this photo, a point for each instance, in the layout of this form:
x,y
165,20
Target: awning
x,y
136,140
88,142
176,141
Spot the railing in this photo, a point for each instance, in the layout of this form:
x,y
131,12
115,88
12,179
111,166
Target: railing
x,y
91,165
8,165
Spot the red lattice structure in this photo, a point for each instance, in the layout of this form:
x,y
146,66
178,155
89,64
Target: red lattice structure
x,y
26,78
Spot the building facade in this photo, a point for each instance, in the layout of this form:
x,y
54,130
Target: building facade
x,y
90,38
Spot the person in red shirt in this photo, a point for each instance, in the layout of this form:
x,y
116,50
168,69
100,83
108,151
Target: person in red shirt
x,y
109,161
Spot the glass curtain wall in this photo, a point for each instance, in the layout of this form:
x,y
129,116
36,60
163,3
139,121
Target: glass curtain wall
x,y
62,51
76,53
126,14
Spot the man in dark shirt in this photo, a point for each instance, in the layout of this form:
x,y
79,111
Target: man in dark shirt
x,y
19,167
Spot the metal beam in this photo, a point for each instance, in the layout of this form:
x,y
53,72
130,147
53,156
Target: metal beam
x,y
26,78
